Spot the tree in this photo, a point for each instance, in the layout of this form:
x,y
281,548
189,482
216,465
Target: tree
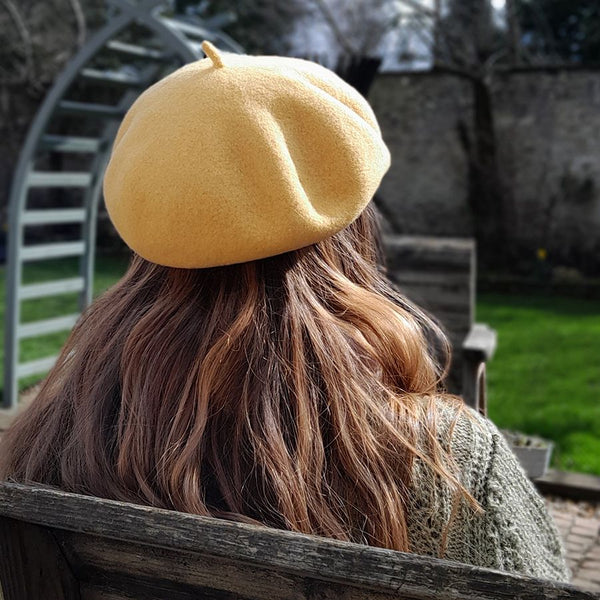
x,y
358,27
36,40
468,36
260,26
474,44
560,31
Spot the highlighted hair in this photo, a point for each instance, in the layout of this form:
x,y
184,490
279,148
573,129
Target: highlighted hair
x,y
295,391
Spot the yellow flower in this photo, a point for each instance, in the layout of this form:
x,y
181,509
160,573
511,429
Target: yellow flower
x,y
542,253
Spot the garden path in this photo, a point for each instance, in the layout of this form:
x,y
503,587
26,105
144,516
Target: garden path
x,y
579,526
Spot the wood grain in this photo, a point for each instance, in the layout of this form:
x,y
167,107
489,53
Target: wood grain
x,y
146,540
32,565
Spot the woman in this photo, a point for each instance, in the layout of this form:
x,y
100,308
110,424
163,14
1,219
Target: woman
x,y
254,363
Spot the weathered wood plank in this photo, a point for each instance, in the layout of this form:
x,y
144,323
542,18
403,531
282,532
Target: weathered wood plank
x,y
474,385
115,587
453,317
436,291
410,272
450,255
353,565
32,566
566,484
102,562
438,274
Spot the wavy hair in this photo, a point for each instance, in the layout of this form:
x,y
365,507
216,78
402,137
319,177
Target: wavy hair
x,y
287,391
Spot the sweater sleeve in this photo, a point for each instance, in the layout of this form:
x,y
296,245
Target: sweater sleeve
x,y
519,533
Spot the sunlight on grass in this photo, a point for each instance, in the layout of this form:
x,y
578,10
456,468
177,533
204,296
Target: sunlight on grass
x,y
545,377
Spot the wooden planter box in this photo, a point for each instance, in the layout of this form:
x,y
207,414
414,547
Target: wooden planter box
x,y
533,452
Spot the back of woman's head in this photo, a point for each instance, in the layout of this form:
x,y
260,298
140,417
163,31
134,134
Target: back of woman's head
x,y
287,390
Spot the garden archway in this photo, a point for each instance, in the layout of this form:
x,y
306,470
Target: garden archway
x,y
48,193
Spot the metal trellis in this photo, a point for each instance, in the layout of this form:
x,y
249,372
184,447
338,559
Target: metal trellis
x,y
168,42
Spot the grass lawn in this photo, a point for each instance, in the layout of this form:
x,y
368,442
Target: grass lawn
x,y
545,376
544,379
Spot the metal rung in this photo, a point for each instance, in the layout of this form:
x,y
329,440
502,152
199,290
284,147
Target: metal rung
x,y
51,288
188,29
220,21
47,251
61,143
46,326
137,51
111,78
85,109
54,216
34,367
58,179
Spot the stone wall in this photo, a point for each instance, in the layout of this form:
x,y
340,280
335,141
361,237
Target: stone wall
x,y
426,186
548,141
548,127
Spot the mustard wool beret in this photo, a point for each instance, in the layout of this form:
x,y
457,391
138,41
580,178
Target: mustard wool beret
x,y
235,158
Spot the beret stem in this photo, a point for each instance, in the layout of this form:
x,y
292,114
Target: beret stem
x,y
213,53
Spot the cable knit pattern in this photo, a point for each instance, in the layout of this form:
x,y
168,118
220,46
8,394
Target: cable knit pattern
x,y
514,534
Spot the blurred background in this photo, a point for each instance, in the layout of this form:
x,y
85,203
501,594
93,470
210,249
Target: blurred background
x,y
491,110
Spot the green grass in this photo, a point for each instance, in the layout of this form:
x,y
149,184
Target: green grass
x,y
544,379
545,376
108,270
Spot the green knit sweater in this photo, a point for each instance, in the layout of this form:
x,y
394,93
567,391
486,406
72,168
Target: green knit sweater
x,y
514,534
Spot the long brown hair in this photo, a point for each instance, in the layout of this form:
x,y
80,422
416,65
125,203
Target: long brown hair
x,y
288,391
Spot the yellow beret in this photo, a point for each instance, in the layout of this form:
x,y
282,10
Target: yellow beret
x,y
234,158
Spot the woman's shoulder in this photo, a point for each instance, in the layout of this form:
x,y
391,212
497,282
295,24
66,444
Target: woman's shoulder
x,y
513,530
469,438
468,442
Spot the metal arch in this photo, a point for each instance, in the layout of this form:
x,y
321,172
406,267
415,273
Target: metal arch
x,y
172,34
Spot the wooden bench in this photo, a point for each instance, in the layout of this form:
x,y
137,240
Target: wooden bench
x,y
59,546
439,274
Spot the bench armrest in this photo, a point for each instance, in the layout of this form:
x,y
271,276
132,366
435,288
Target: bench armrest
x,y
478,347
480,343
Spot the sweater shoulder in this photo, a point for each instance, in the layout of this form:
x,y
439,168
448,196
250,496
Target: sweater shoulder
x,y
468,446
513,530
468,443
468,439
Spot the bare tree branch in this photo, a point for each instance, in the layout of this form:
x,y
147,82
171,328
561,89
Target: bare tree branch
x,y
80,20
419,8
19,22
514,33
342,40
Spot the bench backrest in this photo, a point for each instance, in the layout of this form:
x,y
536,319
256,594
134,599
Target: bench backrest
x,y
439,275
56,546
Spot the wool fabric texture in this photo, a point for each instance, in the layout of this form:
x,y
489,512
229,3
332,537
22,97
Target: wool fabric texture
x,y
514,534
234,158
